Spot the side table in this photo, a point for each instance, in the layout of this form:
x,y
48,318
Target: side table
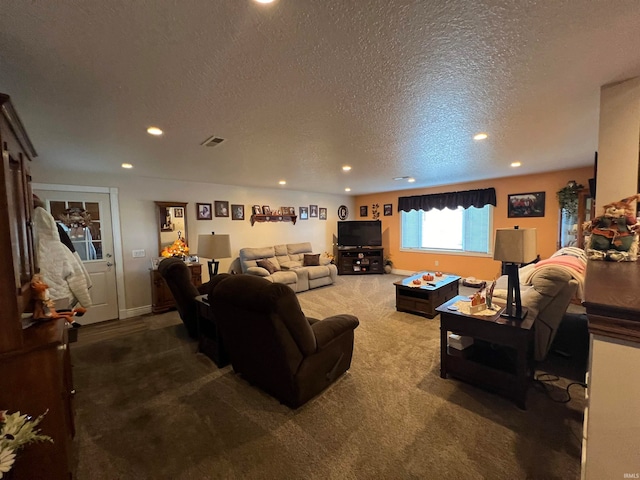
x,y
500,358
209,339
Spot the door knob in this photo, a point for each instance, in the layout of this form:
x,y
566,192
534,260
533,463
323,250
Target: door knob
x,y
109,264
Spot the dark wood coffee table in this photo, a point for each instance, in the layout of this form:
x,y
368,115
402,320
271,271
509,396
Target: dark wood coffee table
x,y
500,358
423,299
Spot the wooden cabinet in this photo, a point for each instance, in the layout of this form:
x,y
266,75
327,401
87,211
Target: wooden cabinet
x,y
355,261
35,364
161,297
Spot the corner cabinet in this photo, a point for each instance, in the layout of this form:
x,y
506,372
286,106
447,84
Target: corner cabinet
x,y
273,218
161,297
357,261
35,362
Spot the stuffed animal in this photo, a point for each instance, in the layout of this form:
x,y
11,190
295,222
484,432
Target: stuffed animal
x,y
43,306
614,233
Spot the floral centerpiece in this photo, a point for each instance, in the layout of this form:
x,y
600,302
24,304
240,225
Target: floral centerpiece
x,y
16,431
176,249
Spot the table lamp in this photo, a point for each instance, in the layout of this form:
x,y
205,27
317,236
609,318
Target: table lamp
x,y
214,246
515,246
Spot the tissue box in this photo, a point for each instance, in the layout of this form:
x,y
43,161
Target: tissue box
x,y
459,342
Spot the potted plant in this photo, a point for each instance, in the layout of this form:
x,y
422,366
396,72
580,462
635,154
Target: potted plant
x,y
388,264
568,198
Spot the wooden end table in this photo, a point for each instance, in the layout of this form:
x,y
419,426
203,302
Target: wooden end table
x,y
423,299
209,339
500,358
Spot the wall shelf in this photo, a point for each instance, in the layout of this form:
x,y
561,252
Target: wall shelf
x,y
273,218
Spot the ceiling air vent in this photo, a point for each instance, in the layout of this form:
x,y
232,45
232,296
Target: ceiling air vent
x,y
212,141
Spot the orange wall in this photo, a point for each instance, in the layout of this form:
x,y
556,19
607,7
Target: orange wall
x,y
479,267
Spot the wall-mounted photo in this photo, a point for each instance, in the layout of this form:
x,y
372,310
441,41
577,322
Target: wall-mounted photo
x,y
388,209
257,210
526,205
323,213
237,212
313,210
178,212
364,211
222,208
203,211
304,213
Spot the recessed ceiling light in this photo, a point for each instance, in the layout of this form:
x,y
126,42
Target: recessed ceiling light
x,y
347,189
154,131
264,1
282,182
400,178
516,164
411,180
480,136
346,168
127,165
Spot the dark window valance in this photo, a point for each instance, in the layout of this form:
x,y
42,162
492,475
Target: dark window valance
x,y
451,200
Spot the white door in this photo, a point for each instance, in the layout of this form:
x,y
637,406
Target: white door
x,y
87,219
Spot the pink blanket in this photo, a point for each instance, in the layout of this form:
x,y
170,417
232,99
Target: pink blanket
x,y
565,261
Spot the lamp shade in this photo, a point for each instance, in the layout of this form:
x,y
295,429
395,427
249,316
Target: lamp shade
x,y
515,245
214,246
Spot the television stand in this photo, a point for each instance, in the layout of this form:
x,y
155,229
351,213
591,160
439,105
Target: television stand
x,y
360,260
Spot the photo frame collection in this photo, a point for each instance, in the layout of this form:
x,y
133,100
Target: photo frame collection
x,y
222,209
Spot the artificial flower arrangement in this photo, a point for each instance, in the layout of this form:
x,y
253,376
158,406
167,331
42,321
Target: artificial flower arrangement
x,y
16,431
176,249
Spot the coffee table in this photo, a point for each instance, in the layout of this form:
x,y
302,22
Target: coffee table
x,y
500,358
424,298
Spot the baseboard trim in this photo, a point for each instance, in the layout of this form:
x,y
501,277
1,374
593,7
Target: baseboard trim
x,y
135,312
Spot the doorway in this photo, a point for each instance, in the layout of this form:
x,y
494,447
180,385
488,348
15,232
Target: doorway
x,y
86,214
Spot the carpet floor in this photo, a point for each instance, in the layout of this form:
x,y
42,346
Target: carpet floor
x,y
149,407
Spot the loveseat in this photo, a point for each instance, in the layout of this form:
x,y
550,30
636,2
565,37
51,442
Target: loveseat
x,y
293,264
547,287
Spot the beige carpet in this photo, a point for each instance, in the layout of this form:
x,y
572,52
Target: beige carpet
x,y
149,407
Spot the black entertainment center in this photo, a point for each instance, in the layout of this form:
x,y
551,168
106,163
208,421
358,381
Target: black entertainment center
x,y
359,249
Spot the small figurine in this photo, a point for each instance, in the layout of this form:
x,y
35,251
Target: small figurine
x,y
614,233
43,306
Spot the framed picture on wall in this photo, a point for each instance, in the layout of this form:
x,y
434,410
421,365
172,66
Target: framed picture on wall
x,y
237,212
364,211
178,212
304,213
388,209
203,211
521,205
323,213
313,210
222,208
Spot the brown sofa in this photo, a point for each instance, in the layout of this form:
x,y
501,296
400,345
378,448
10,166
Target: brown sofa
x,y
271,343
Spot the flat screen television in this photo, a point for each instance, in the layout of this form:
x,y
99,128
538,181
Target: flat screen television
x,y
360,233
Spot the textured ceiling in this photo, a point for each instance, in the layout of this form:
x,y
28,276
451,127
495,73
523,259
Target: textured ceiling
x,y
301,87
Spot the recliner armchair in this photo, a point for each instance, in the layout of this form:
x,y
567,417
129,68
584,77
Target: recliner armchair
x,y
178,278
273,345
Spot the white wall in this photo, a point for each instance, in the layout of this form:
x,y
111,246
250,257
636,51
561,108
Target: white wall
x,y
618,142
612,445
139,229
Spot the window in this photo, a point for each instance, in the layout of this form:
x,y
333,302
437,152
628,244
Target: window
x,y
460,230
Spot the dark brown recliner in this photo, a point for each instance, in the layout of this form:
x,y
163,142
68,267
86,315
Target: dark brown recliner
x,y
273,345
178,277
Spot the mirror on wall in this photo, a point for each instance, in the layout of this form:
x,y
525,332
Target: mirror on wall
x,y
171,223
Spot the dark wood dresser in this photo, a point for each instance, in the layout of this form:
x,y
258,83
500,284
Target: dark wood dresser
x,y
35,362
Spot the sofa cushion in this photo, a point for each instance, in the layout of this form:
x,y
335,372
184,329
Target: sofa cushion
x,y
267,265
311,260
290,265
259,271
250,256
297,248
318,272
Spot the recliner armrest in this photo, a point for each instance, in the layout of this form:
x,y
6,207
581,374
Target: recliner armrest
x,y
332,327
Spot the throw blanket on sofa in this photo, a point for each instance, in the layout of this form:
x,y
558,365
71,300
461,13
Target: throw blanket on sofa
x,y
570,259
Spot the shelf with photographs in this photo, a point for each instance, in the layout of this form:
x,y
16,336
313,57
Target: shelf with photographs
x,y
273,218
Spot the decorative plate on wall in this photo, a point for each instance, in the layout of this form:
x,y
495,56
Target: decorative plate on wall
x,y
343,212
